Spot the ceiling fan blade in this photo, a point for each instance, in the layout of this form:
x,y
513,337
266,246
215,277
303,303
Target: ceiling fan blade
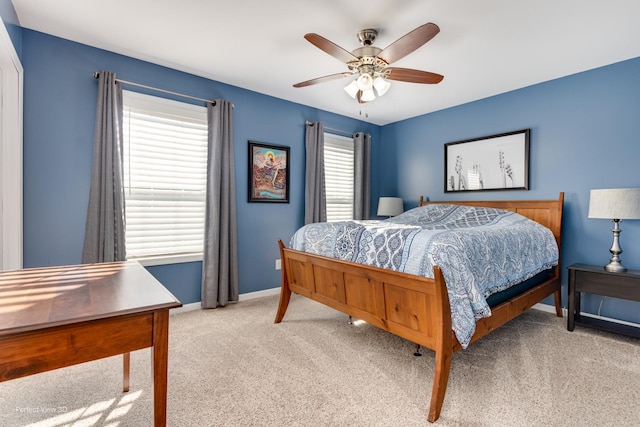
x,y
330,47
322,79
412,76
409,42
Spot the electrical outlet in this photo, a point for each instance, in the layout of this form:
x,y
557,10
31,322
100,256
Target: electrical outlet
x,y
278,266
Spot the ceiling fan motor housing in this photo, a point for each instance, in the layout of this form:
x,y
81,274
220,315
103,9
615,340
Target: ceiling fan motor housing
x,y
368,61
367,37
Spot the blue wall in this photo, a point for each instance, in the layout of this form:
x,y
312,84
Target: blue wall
x,y
584,135
59,114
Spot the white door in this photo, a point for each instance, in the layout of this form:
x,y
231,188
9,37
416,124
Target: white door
x,y
11,78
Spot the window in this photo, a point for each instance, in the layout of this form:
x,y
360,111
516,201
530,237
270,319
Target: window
x,y
339,176
165,165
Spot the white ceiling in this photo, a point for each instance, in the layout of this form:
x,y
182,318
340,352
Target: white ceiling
x,y
485,47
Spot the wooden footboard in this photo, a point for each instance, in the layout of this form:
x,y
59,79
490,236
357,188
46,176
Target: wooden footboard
x,y
400,303
413,307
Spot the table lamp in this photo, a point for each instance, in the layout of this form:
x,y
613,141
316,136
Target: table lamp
x,y
615,204
390,206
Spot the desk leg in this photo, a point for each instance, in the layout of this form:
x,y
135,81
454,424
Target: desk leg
x,y
126,368
572,300
160,366
577,297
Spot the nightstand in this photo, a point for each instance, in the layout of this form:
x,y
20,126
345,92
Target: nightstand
x,y
596,280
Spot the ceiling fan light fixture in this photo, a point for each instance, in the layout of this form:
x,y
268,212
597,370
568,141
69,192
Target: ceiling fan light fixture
x,y
364,82
368,95
381,85
352,89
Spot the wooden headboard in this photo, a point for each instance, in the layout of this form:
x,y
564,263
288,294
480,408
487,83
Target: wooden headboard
x,y
545,212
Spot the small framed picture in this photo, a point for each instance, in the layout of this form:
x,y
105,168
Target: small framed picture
x,y
489,163
268,173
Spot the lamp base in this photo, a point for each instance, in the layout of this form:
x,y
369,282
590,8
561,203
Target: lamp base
x,y
615,267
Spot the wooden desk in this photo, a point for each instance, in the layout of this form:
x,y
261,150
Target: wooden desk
x,y
61,316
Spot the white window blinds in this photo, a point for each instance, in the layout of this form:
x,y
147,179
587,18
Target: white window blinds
x,y
165,163
339,175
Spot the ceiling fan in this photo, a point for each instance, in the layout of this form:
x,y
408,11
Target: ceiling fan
x,y
371,63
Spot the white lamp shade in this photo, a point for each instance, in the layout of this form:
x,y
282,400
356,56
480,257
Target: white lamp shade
x,y
352,89
615,203
381,85
390,206
368,95
364,82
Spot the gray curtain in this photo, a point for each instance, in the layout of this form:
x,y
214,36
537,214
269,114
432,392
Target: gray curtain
x,y
362,158
220,258
315,202
104,232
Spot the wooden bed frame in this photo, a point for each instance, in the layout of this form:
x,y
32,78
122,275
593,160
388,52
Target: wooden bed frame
x,y
413,307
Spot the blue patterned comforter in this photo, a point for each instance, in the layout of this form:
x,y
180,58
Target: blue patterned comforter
x,y
479,250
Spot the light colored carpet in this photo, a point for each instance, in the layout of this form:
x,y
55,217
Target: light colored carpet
x,y
234,367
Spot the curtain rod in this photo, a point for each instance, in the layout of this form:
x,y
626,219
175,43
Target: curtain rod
x,y
125,82
307,122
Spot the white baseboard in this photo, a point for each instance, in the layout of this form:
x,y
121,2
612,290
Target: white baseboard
x,y
260,294
548,309
186,307
552,309
242,297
